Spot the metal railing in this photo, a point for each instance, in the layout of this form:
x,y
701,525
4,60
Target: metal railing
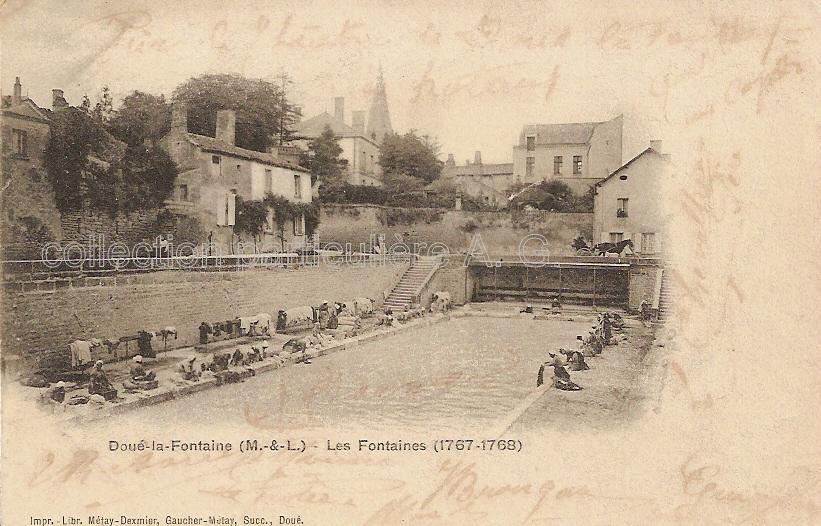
x,y
45,270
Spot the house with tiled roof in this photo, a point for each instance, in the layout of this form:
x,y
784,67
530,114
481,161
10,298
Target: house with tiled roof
x,y
214,171
630,202
360,147
361,152
27,197
487,182
579,154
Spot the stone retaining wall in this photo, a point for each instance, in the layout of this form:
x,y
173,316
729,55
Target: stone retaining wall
x,y
35,320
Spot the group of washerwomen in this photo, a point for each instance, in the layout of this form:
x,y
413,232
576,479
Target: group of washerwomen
x,y
555,307
598,337
331,319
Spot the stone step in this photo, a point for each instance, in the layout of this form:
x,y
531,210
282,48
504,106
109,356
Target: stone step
x,y
398,307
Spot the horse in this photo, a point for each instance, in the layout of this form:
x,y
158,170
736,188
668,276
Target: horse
x,y
612,248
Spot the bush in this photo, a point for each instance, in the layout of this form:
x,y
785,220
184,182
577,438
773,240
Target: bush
x,y
553,195
352,194
469,227
185,229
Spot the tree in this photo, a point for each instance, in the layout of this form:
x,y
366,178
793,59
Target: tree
x,y
584,202
148,177
142,179
399,182
104,108
410,155
557,196
141,117
251,217
323,159
263,111
552,195
74,136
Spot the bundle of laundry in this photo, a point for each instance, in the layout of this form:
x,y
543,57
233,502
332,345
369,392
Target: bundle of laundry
x,y
80,351
111,344
294,317
254,325
168,331
363,306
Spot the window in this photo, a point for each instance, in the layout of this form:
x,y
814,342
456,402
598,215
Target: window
x,y
557,165
531,143
215,159
621,211
299,225
577,164
530,166
239,167
616,237
648,242
362,162
183,192
20,142
297,187
269,180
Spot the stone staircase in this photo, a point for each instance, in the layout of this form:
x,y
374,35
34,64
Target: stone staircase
x,y
411,283
667,296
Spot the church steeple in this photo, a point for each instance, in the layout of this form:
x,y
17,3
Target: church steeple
x,y
379,120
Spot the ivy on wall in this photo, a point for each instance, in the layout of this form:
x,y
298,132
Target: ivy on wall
x,y
252,215
86,165
408,216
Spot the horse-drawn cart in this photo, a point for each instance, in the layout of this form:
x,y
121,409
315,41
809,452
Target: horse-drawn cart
x,y
603,249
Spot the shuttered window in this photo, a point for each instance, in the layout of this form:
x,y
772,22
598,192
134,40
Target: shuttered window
x,y
20,142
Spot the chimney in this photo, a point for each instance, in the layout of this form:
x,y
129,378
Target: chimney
x,y
477,157
58,102
17,98
179,117
339,109
451,162
358,122
226,126
656,145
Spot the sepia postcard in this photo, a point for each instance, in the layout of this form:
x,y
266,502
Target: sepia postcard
x,y
410,263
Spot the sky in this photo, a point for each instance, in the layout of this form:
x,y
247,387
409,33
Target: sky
x,y
467,73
